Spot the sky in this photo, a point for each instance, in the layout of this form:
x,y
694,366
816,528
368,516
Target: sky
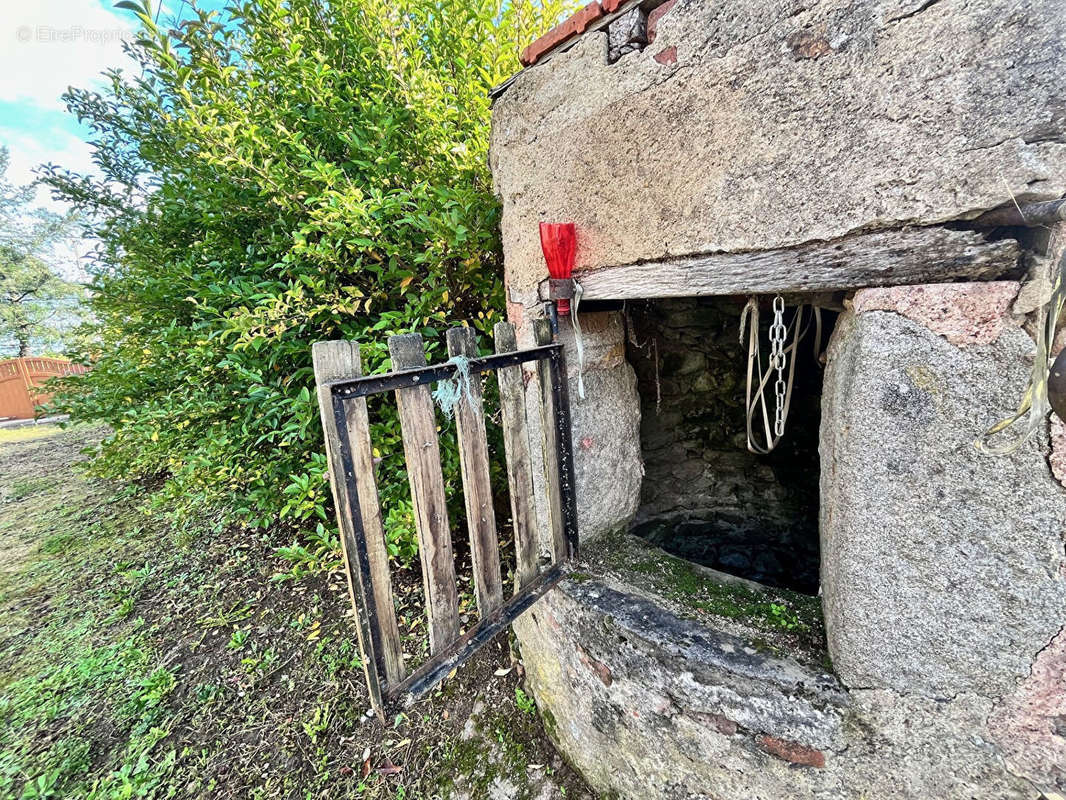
x,y
48,45
45,47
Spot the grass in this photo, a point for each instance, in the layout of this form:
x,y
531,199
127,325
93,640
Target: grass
x,y
141,661
27,433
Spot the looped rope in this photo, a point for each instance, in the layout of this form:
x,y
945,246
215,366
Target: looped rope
x,y
756,400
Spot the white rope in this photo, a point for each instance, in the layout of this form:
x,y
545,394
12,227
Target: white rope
x,y
578,291
449,391
756,399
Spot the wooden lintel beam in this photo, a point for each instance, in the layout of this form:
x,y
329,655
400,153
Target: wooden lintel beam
x,y
1029,215
885,258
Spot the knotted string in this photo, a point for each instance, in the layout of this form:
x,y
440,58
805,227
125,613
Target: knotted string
x,y
451,390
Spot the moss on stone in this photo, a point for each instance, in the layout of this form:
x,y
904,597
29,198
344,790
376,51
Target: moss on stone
x,y
495,752
501,752
551,727
466,758
778,620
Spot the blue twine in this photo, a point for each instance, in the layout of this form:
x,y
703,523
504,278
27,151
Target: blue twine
x,y
449,391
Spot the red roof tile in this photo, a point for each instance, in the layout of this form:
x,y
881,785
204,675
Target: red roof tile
x,y
575,26
655,15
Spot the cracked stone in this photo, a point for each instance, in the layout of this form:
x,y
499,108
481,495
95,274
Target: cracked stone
x,y
1029,724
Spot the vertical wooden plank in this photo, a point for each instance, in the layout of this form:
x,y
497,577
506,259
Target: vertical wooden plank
x,y
333,361
516,449
24,370
378,637
27,385
542,332
418,424
477,488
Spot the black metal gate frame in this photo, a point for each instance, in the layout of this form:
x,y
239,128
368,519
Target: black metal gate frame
x,y
434,670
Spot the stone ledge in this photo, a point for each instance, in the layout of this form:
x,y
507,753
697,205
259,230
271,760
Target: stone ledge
x,y
648,705
701,670
768,620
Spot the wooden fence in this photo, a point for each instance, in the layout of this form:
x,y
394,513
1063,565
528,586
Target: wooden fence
x,y
342,393
21,380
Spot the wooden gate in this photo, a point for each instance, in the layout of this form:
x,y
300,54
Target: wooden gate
x,y
342,393
21,379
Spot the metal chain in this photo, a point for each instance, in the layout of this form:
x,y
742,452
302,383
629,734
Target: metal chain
x,y
778,332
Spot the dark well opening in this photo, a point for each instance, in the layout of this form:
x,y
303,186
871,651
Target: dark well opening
x,y
705,498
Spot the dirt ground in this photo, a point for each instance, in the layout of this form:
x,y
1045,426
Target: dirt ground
x,y
140,660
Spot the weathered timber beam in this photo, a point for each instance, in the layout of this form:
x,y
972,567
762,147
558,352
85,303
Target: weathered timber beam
x,y
886,258
1027,214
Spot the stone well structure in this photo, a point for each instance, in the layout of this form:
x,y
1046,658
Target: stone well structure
x,y
878,608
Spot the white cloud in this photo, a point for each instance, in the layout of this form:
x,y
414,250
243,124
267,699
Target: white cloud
x,y
28,150
48,45
66,150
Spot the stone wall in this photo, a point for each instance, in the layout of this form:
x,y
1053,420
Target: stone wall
x,y
650,704
691,371
943,587
943,569
606,429
779,123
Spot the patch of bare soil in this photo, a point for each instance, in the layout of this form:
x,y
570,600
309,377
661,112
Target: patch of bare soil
x,y
137,660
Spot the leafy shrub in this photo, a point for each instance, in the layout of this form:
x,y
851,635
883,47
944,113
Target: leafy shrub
x,y
400,539
284,172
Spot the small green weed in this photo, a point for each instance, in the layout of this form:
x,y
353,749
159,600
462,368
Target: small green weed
x,y
151,691
236,613
28,486
207,693
41,787
524,701
259,662
317,722
321,553
237,639
784,617
338,656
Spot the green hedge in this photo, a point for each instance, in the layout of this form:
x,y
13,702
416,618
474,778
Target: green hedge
x,y
274,175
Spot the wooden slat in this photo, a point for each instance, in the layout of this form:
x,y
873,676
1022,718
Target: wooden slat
x,y
887,258
418,422
543,333
516,449
433,672
333,361
477,487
